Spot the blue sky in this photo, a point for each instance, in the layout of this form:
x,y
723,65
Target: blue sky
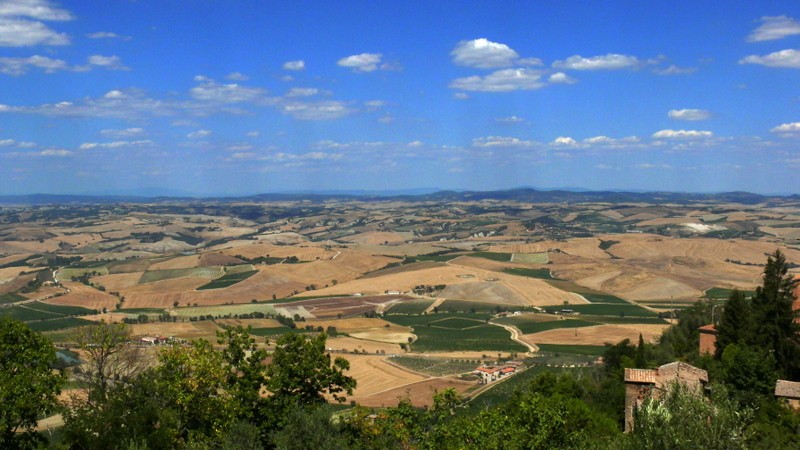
x,y
237,97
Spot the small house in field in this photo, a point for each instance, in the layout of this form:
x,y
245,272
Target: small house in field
x,y
788,391
490,374
641,384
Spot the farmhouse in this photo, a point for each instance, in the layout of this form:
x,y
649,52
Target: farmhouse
x,y
789,391
641,384
490,374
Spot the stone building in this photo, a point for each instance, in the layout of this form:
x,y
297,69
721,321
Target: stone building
x,y
641,384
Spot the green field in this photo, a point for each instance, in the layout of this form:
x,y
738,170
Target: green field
x,y
42,311
604,298
530,326
466,306
59,324
421,320
27,314
224,310
276,331
410,307
228,280
69,273
437,367
530,258
11,297
457,323
594,350
717,293
63,310
603,309
543,274
612,320
434,333
494,256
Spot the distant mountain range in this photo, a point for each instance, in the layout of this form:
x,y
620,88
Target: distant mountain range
x,y
527,195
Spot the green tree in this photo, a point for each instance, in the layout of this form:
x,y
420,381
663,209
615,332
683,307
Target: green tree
x,y
749,372
28,385
682,419
302,372
772,312
736,324
641,356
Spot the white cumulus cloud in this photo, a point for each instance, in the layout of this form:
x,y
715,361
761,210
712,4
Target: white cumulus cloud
x,y
787,129
672,69
302,92
364,62
107,35
296,65
20,66
689,114
788,58
611,61
774,27
561,78
108,62
127,132
483,54
682,134
505,80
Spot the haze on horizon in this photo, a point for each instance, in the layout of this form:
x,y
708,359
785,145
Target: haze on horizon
x,y
222,98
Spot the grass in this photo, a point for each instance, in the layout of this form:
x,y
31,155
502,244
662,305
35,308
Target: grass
x,y
613,320
457,323
410,307
528,326
276,331
466,306
438,332
437,367
59,324
142,310
11,297
421,320
594,350
604,298
530,258
603,309
27,314
479,338
723,293
494,256
543,274
61,309
228,280
224,310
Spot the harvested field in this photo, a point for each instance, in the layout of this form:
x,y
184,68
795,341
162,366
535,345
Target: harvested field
x,y
218,259
255,323
513,290
184,330
9,273
595,335
529,258
379,237
420,393
85,296
350,344
374,375
181,262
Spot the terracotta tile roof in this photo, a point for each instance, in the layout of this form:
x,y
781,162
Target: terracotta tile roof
x,y
709,328
788,389
641,375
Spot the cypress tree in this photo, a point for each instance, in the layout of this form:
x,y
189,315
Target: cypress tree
x,y
775,329
736,324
